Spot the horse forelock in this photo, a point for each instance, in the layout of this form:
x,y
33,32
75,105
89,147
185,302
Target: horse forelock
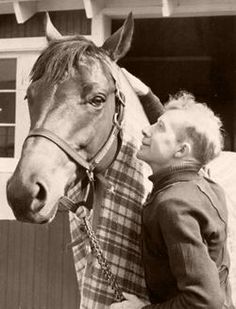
x,y
61,57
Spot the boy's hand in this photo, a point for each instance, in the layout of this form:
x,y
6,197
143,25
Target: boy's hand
x,y
139,87
131,302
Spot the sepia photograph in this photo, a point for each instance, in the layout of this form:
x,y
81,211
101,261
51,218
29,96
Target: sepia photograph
x,y
118,154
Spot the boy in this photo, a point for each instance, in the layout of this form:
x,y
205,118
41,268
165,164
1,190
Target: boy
x,y
184,226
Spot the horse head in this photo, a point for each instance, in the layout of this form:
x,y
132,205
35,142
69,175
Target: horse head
x,y
75,110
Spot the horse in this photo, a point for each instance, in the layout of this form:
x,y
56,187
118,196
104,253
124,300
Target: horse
x,y
85,129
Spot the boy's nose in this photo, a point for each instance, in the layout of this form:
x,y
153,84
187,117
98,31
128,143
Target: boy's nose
x,y
146,131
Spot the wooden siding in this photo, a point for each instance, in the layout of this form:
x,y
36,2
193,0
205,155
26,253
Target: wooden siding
x,y
36,268
67,22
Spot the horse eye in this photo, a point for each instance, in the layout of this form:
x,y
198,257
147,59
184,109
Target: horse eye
x,y
97,101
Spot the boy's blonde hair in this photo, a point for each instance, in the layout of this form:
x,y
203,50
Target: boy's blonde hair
x,y
202,126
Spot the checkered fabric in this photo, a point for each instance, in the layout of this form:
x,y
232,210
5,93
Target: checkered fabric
x,y
118,232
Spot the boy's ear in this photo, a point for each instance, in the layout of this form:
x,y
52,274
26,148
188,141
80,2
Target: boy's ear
x,y
184,150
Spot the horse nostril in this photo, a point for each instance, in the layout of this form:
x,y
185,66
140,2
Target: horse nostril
x,y
41,194
39,197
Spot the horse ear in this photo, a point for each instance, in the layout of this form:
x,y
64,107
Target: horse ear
x,y
51,32
118,44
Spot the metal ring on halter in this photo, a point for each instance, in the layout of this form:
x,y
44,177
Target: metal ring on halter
x,y
116,122
120,95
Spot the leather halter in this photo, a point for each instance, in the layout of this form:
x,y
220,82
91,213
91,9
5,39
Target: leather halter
x,y
88,165
91,166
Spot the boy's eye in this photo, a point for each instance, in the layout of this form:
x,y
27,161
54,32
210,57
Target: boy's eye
x,y
160,125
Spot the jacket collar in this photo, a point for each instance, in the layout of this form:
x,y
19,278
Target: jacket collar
x,y
172,174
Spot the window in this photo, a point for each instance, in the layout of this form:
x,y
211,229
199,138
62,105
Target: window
x,y
17,57
7,106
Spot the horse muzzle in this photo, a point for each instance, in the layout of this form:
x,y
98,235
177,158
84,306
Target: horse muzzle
x,y
30,203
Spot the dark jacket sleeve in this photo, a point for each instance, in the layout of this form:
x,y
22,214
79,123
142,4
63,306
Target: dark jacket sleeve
x,y
152,106
195,272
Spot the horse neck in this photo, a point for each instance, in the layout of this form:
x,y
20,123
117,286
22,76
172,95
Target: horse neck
x,y
135,118
109,157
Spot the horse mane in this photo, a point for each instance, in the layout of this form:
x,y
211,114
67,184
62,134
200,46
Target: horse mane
x,y
62,56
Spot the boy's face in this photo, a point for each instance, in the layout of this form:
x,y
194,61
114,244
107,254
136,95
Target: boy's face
x,y
160,142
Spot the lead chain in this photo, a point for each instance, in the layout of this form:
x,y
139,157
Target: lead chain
x,y
105,267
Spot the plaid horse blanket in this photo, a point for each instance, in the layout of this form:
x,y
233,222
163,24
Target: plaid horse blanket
x,y
118,232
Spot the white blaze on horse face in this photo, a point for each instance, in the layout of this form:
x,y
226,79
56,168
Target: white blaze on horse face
x,y
40,98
